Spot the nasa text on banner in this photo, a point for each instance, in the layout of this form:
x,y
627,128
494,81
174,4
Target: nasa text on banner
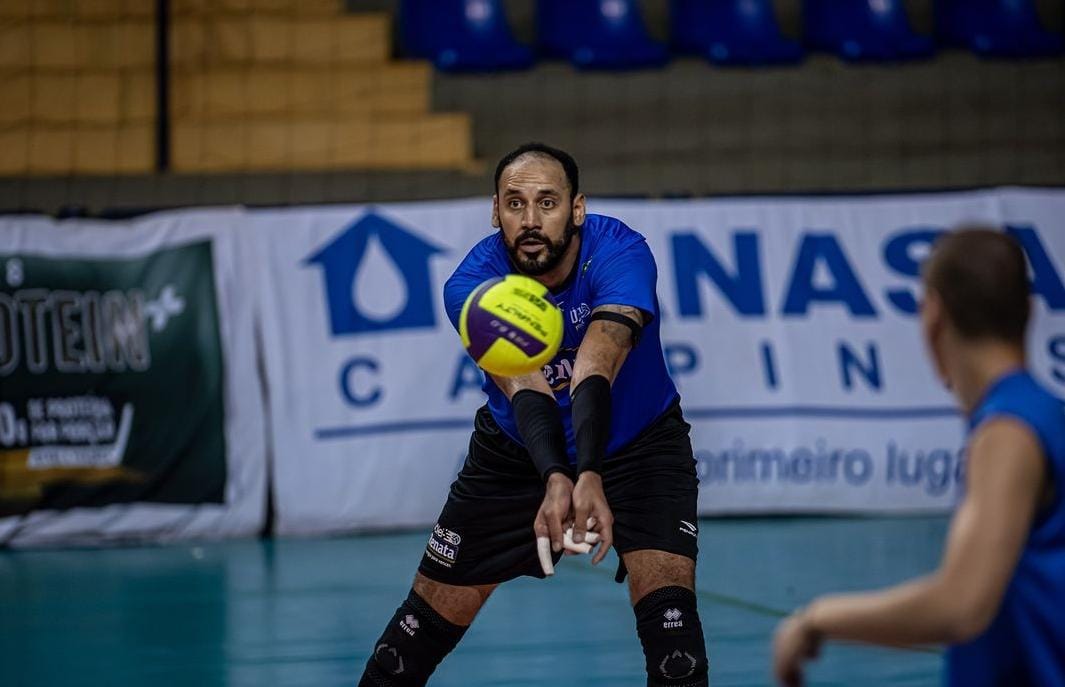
x,y
123,386
789,324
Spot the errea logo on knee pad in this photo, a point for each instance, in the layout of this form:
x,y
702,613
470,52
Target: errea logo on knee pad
x,y
409,624
673,620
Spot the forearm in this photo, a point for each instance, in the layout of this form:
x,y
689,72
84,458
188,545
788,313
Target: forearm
x,y
512,385
606,346
917,612
539,423
599,359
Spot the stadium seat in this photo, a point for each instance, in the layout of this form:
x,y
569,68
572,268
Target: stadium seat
x,y
740,32
863,30
996,28
461,35
598,34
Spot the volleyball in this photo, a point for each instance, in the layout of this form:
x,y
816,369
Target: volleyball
x,y
511,326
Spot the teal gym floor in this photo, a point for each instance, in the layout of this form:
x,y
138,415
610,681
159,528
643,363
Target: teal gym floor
x,y
305,612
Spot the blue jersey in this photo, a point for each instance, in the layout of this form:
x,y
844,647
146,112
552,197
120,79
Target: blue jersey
x,y
615,267
1025,644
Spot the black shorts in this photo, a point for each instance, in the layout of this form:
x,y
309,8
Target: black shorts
x,y
485,532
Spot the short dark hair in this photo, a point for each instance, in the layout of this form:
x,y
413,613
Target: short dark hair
x,y
982,277
569,165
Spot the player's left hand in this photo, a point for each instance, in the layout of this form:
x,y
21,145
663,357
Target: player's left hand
x,y
589,501
794,643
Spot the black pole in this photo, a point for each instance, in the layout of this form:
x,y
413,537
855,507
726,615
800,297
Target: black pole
x,y
162,85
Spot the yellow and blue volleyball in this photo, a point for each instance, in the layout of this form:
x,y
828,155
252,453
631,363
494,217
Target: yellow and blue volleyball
x,y
511,326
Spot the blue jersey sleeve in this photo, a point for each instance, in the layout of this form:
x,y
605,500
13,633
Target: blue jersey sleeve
x,y
457,289
479,265
627,278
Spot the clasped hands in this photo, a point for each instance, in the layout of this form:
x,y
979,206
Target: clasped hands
x,y
573,519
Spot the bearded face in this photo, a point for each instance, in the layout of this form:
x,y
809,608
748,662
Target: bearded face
x,y
537,215
534,253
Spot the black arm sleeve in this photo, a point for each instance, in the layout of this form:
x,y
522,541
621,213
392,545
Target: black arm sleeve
x,y
591,422
540,426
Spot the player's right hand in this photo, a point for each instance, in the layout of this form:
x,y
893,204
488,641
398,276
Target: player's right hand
x,y
555,509
590,506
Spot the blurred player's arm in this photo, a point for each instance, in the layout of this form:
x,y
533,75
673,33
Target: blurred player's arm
x,y
1006,481
613,330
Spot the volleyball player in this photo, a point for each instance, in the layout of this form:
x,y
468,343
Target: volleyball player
x,y
998,596
596,441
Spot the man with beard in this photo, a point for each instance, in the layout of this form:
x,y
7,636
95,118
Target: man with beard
x,y
596,441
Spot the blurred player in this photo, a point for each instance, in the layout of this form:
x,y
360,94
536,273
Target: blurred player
x,y
998,597
604,413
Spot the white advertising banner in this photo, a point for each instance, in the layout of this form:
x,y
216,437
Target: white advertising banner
x,y
130,403
788,323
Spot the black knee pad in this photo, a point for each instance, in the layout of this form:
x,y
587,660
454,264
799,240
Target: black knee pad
x,y
667,621
415,641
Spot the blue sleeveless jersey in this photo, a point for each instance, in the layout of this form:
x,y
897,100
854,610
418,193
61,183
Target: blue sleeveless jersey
x,y
1025,644
615,267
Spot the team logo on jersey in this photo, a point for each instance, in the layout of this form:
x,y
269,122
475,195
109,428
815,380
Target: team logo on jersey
x,y
377,278
559,371
578,316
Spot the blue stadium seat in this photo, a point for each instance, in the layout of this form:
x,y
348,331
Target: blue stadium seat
x,y
461,35
740,32
859,30
996,28
598,34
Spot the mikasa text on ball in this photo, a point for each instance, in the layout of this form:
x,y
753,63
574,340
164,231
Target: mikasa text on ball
x,y
511,326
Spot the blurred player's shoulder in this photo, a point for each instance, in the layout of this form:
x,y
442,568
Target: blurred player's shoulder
x,y
1020,395
1020,391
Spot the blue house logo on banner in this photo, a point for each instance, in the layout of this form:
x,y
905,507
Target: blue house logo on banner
x,y
377,278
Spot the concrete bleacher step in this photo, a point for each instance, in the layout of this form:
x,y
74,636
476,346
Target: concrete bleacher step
x,y
256,85
397,88
73,45
75,9
307,8
214,41
89,149
436,141
112,9
88,97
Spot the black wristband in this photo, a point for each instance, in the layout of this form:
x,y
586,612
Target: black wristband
x,y
540,426
591,422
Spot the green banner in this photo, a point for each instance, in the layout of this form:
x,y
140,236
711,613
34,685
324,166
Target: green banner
x,y
111,381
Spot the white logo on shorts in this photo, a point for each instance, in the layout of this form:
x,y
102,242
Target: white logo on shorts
x,y
688,528
443,546
450,536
